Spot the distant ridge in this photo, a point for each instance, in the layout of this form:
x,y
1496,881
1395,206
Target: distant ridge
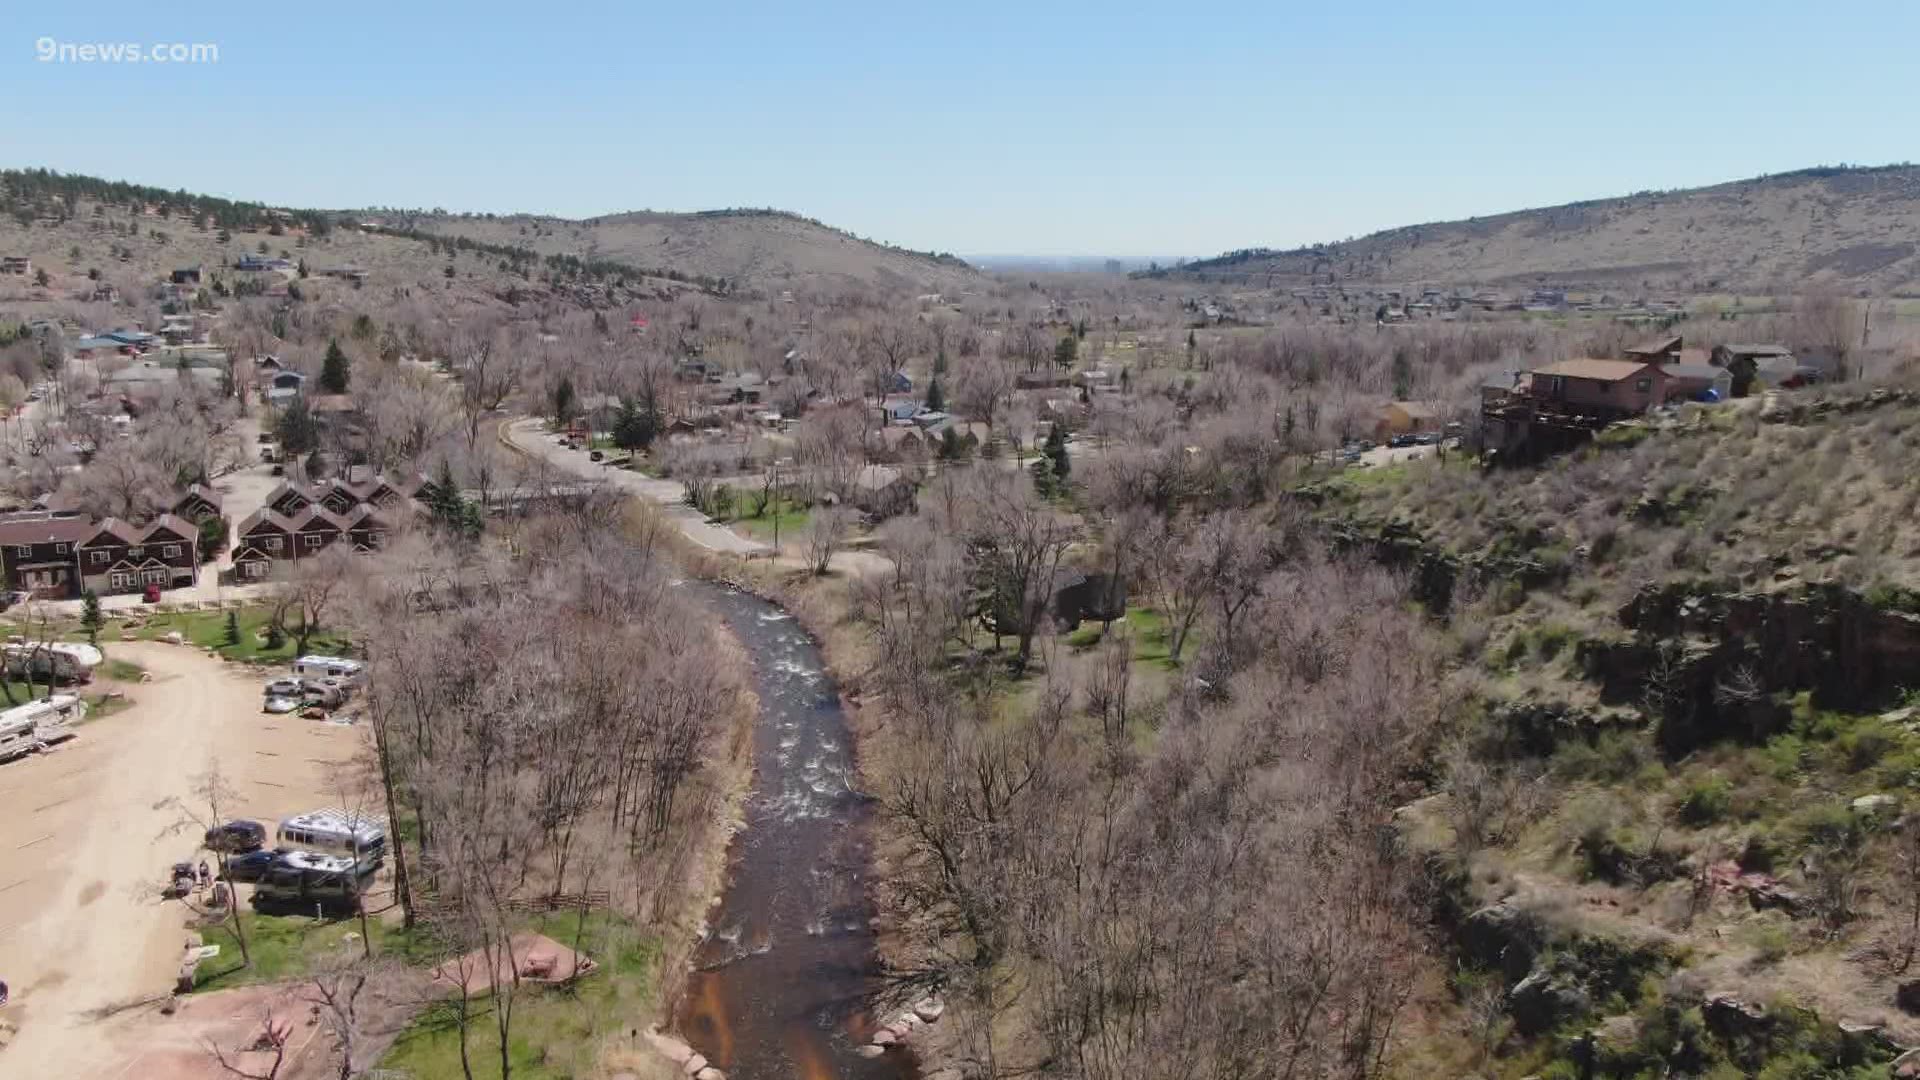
x,y
1855,226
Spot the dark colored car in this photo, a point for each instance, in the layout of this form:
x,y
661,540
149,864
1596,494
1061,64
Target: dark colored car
x,y
236,837
253,866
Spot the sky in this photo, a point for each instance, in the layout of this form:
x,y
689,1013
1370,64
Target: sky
x,y
1051,128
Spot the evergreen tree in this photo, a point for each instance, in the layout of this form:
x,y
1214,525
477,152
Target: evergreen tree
x,y
334,370
296,428
316,464
90,617
1065,352
939,361
562,398
637,425
230,636
936,399
1055,452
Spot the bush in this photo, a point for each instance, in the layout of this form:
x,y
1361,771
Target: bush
x,y
1614,757
1706,801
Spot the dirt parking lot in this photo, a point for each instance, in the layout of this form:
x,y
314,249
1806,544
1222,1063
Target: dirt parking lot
x,y
88,830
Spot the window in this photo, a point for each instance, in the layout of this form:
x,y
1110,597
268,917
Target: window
x,y
59,549
99,556
156,577
312,539
136,552
273,543
171,551
25,551
121,579
1643,384
256,569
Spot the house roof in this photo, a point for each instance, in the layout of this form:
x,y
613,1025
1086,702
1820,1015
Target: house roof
x,y
175,523
333,403
125,532
263,516
1656,346
318,514
202,492
1759,350
45,530
1597,370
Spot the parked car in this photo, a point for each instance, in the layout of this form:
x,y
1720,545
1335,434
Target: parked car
x,y
281,704
286,688
595,456
237,836
1401,441
252,866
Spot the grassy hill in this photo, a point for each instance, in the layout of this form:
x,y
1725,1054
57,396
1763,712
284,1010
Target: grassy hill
x,y
758,249
1771,234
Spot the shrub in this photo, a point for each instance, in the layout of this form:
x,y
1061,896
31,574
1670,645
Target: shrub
x,y
1706,801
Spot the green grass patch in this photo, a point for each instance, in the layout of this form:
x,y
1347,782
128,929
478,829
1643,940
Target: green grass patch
x,y
208,629
288,946
557,1030
792,517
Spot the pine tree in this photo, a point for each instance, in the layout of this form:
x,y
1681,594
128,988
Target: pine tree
x,y
90,616
1056,451
231,635
936,399
334,370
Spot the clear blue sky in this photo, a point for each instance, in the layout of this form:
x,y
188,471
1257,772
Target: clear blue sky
x,y
1047,128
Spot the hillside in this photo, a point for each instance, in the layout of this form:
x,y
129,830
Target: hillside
x,y
759,249
1858,227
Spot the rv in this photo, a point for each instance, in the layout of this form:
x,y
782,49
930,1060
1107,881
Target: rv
x,y
336,832
349,672
69,662
26,728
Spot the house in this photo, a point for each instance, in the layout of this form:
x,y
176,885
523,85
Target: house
x,y
316,528
1769,365
896,409
1404,417
289,500
16,264
261,542
1078,595
1606,389
198,502
333,405
899,383
37,553
120,557
284,386
186,275
1660,350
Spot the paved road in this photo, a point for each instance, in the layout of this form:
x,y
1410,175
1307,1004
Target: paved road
x,y
530,437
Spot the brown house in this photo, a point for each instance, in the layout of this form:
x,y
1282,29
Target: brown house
x,y
120,557
288,499
38,553
1600,388
198,502
264,539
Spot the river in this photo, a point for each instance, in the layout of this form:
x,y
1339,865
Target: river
x,y
778,988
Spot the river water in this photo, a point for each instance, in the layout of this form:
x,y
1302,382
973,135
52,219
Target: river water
x,y
778,990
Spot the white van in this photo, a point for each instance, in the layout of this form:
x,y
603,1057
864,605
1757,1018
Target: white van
x,y
336,832
347,671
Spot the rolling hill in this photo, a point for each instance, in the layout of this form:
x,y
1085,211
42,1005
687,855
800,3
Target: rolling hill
x,y
1857,227
760,249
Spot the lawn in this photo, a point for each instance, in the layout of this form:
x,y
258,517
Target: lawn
x,y
556,1030
289,946
792,518
208,629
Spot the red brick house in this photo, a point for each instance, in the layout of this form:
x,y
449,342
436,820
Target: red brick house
x,y
120,557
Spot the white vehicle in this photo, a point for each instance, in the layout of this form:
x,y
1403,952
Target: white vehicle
x,y
69,661
281,705
350,672
336,832
26,728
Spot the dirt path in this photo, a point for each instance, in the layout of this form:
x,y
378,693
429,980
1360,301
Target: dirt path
x,y
88,831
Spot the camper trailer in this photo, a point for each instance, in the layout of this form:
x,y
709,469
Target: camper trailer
x,y
349,672
69,661
26,728
338,833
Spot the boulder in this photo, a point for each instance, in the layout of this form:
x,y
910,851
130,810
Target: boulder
x,y
885,1037
1543,1001
1874,805
1730,1017
1906,1066
929,1009
694,1064
870,1050
710,1073
1501,936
